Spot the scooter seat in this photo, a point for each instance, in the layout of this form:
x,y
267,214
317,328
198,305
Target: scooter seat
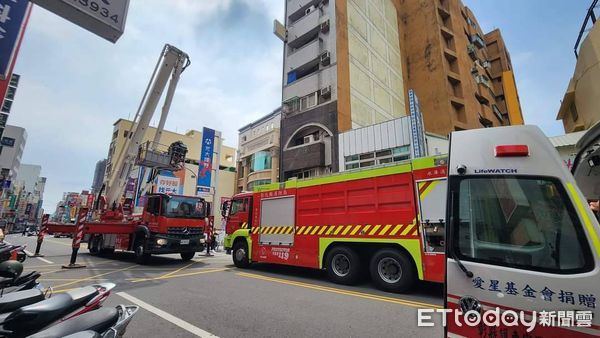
x,y
14,300
84,334
32,318
98,321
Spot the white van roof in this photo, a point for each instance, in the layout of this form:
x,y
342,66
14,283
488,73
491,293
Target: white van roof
x,y
481,150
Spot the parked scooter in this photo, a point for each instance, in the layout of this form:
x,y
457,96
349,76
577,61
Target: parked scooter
x,y
38,315
9,251
102,323
11,278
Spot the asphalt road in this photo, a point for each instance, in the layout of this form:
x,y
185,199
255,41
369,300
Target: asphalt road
x,y
209,295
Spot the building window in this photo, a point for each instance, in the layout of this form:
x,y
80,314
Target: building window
x,y
260,161
256,183
350,166
8,141
125,134
6,106
308,101
401,153
14,80
10,94
115,134
573,110
305,173
370,159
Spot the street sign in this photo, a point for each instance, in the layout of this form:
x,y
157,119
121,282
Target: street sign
x,y
13,19
105,18
205,163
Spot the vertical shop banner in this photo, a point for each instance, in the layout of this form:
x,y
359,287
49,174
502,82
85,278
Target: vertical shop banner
x,y
130,187
13,15
416,126
205,163
90,201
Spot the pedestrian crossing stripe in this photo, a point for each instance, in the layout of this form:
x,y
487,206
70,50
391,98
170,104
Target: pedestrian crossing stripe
x,y
350,230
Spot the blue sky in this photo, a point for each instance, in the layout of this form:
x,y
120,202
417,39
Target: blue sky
x,y
74,85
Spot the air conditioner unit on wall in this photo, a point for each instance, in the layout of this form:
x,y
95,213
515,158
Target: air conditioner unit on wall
x,y
309,10
325,58
309,139
326,92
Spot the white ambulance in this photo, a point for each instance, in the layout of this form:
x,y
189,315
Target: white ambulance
x,y
523,251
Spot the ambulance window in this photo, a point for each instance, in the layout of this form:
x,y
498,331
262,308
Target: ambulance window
x,y
519,222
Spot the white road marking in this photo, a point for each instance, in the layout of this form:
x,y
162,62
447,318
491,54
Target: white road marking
x,y
40,258
167,316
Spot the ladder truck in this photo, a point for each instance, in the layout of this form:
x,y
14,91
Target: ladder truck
x,y
168,224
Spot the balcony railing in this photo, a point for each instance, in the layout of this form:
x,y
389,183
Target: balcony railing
x,y
477,40
304,27
304,55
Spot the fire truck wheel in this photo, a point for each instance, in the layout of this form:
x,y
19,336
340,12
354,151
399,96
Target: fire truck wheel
x,y
186,256
141,257
343,265
392,271
240,254
94,245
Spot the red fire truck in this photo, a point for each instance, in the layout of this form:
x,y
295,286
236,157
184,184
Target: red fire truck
x,y
389,220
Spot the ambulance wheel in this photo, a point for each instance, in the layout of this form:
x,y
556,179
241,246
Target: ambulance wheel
x,y
343,265
240,254
186,256
391,270
141,257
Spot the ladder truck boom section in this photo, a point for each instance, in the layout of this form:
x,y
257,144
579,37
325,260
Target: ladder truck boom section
x,y
168,223
170,65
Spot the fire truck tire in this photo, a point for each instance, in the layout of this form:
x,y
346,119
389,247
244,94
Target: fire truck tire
x,y
106,251
391,270
141,257
240,254
94,245
186,256
343,265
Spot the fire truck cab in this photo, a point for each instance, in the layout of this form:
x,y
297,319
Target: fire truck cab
x,y
521,239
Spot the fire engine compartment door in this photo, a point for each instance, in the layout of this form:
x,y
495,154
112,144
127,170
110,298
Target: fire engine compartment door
x,y
432,213
277,217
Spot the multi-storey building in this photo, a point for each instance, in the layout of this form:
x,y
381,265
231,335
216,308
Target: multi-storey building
x,y
8,99
579,106
186,178
258,154
29,190
349,64
98,175
13,144
462,76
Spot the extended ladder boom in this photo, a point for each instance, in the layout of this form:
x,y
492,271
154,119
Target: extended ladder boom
x,y
171,64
